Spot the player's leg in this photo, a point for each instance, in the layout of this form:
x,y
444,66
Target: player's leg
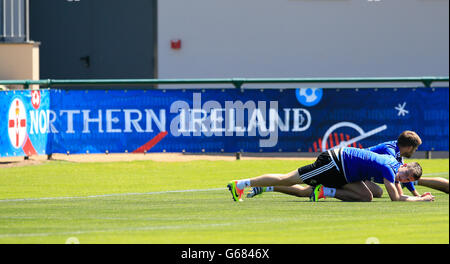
x,y
322,165
295,190
288,179
350,192
237,187
374,188
438,183
354,192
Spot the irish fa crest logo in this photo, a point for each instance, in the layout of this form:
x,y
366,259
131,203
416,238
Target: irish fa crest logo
x,y
35,98
17,123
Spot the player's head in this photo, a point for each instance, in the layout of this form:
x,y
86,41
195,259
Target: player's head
x,y
409,172
408,142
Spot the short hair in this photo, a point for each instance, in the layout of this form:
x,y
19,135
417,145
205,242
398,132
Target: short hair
x,y
409,138
416,169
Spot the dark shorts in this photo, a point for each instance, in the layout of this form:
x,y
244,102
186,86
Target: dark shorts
x,y
323,171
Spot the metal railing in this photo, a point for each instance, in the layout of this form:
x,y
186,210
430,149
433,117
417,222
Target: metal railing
x,y
236,82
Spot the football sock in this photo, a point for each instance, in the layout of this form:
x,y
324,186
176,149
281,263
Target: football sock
x,y
242,184
329,192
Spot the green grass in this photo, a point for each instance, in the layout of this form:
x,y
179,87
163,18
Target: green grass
x,y
146,213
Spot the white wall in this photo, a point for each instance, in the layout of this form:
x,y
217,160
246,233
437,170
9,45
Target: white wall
x,y
303,38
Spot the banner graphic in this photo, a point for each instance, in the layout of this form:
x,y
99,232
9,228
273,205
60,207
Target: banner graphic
x,y
215,120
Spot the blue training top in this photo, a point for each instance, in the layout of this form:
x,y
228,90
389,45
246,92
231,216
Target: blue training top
x,y
391,148
362,164
388,148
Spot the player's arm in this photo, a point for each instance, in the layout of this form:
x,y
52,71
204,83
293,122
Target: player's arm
x,y
396,196
398,186
415,193
410,187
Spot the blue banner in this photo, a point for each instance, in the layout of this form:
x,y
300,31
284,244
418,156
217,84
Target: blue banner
x,y
24,122
215,120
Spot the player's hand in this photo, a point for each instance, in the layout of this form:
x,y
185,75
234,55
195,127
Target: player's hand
x,y
427,197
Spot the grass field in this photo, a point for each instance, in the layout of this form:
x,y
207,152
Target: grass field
x,y
187,202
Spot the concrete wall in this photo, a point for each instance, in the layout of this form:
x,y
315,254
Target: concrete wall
x,y
19,61
303,38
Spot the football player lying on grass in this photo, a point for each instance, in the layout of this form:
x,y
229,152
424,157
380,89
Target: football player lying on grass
x,y
405,146
344,172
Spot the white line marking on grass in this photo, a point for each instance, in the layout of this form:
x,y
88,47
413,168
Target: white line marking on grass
x,y
107,195
125,229
435,174
150,228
